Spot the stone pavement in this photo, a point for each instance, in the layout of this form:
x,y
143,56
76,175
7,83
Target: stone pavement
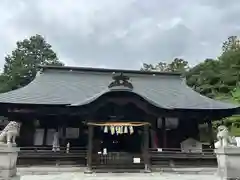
x,y
76,173
123,176
43,170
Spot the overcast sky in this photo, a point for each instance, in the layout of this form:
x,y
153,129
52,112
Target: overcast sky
x,y
121,33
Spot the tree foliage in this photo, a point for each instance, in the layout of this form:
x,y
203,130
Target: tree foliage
x,y
218,77
236,95
22,64
177,65
205,77
215,78
231,44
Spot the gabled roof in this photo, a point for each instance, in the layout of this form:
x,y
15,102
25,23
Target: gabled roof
x,y
79,86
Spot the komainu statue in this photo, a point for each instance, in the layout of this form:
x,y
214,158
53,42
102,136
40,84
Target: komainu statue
x,y
9,133
224,139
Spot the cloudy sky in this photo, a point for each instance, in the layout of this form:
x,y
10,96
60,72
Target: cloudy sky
x,y
121,33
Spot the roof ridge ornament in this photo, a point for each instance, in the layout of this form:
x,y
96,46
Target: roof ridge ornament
x,y
120,80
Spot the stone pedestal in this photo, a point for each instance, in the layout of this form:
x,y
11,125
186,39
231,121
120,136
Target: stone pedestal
x,y
8,160
228,162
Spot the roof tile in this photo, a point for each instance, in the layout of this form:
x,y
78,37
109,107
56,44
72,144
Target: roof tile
x,y
64,87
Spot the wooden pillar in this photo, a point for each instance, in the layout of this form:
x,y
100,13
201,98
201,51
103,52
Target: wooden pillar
x,y
45,136
210,133
164,132
89,149
146,149
64,126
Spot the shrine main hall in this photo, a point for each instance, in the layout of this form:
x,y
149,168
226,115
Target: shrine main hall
x,y
110,117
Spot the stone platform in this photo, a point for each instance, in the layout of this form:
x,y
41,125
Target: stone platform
x,y
46,170
77,173
124,176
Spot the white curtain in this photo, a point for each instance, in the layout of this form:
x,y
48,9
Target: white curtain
x,y
55,143
38,137
50,136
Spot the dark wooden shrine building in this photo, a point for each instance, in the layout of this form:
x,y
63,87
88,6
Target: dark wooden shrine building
x,y
110,112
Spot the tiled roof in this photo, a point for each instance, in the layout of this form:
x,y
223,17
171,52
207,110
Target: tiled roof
x,y
80,86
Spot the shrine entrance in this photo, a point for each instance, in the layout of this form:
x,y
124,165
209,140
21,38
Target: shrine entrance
x,y
118,145
120,137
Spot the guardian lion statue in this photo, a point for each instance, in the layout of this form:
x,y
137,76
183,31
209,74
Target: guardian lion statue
x,y
224,139
9,133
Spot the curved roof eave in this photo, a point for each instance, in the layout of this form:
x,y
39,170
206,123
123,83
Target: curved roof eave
x,y
97,96
225,105
106,91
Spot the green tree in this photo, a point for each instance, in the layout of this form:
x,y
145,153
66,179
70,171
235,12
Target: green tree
x,y
204,77
22,64
236,95
217,78
230,64
177,65
231,44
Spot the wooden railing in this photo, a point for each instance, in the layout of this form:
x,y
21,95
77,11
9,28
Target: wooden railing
x,y
175,157
45,155
77,156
